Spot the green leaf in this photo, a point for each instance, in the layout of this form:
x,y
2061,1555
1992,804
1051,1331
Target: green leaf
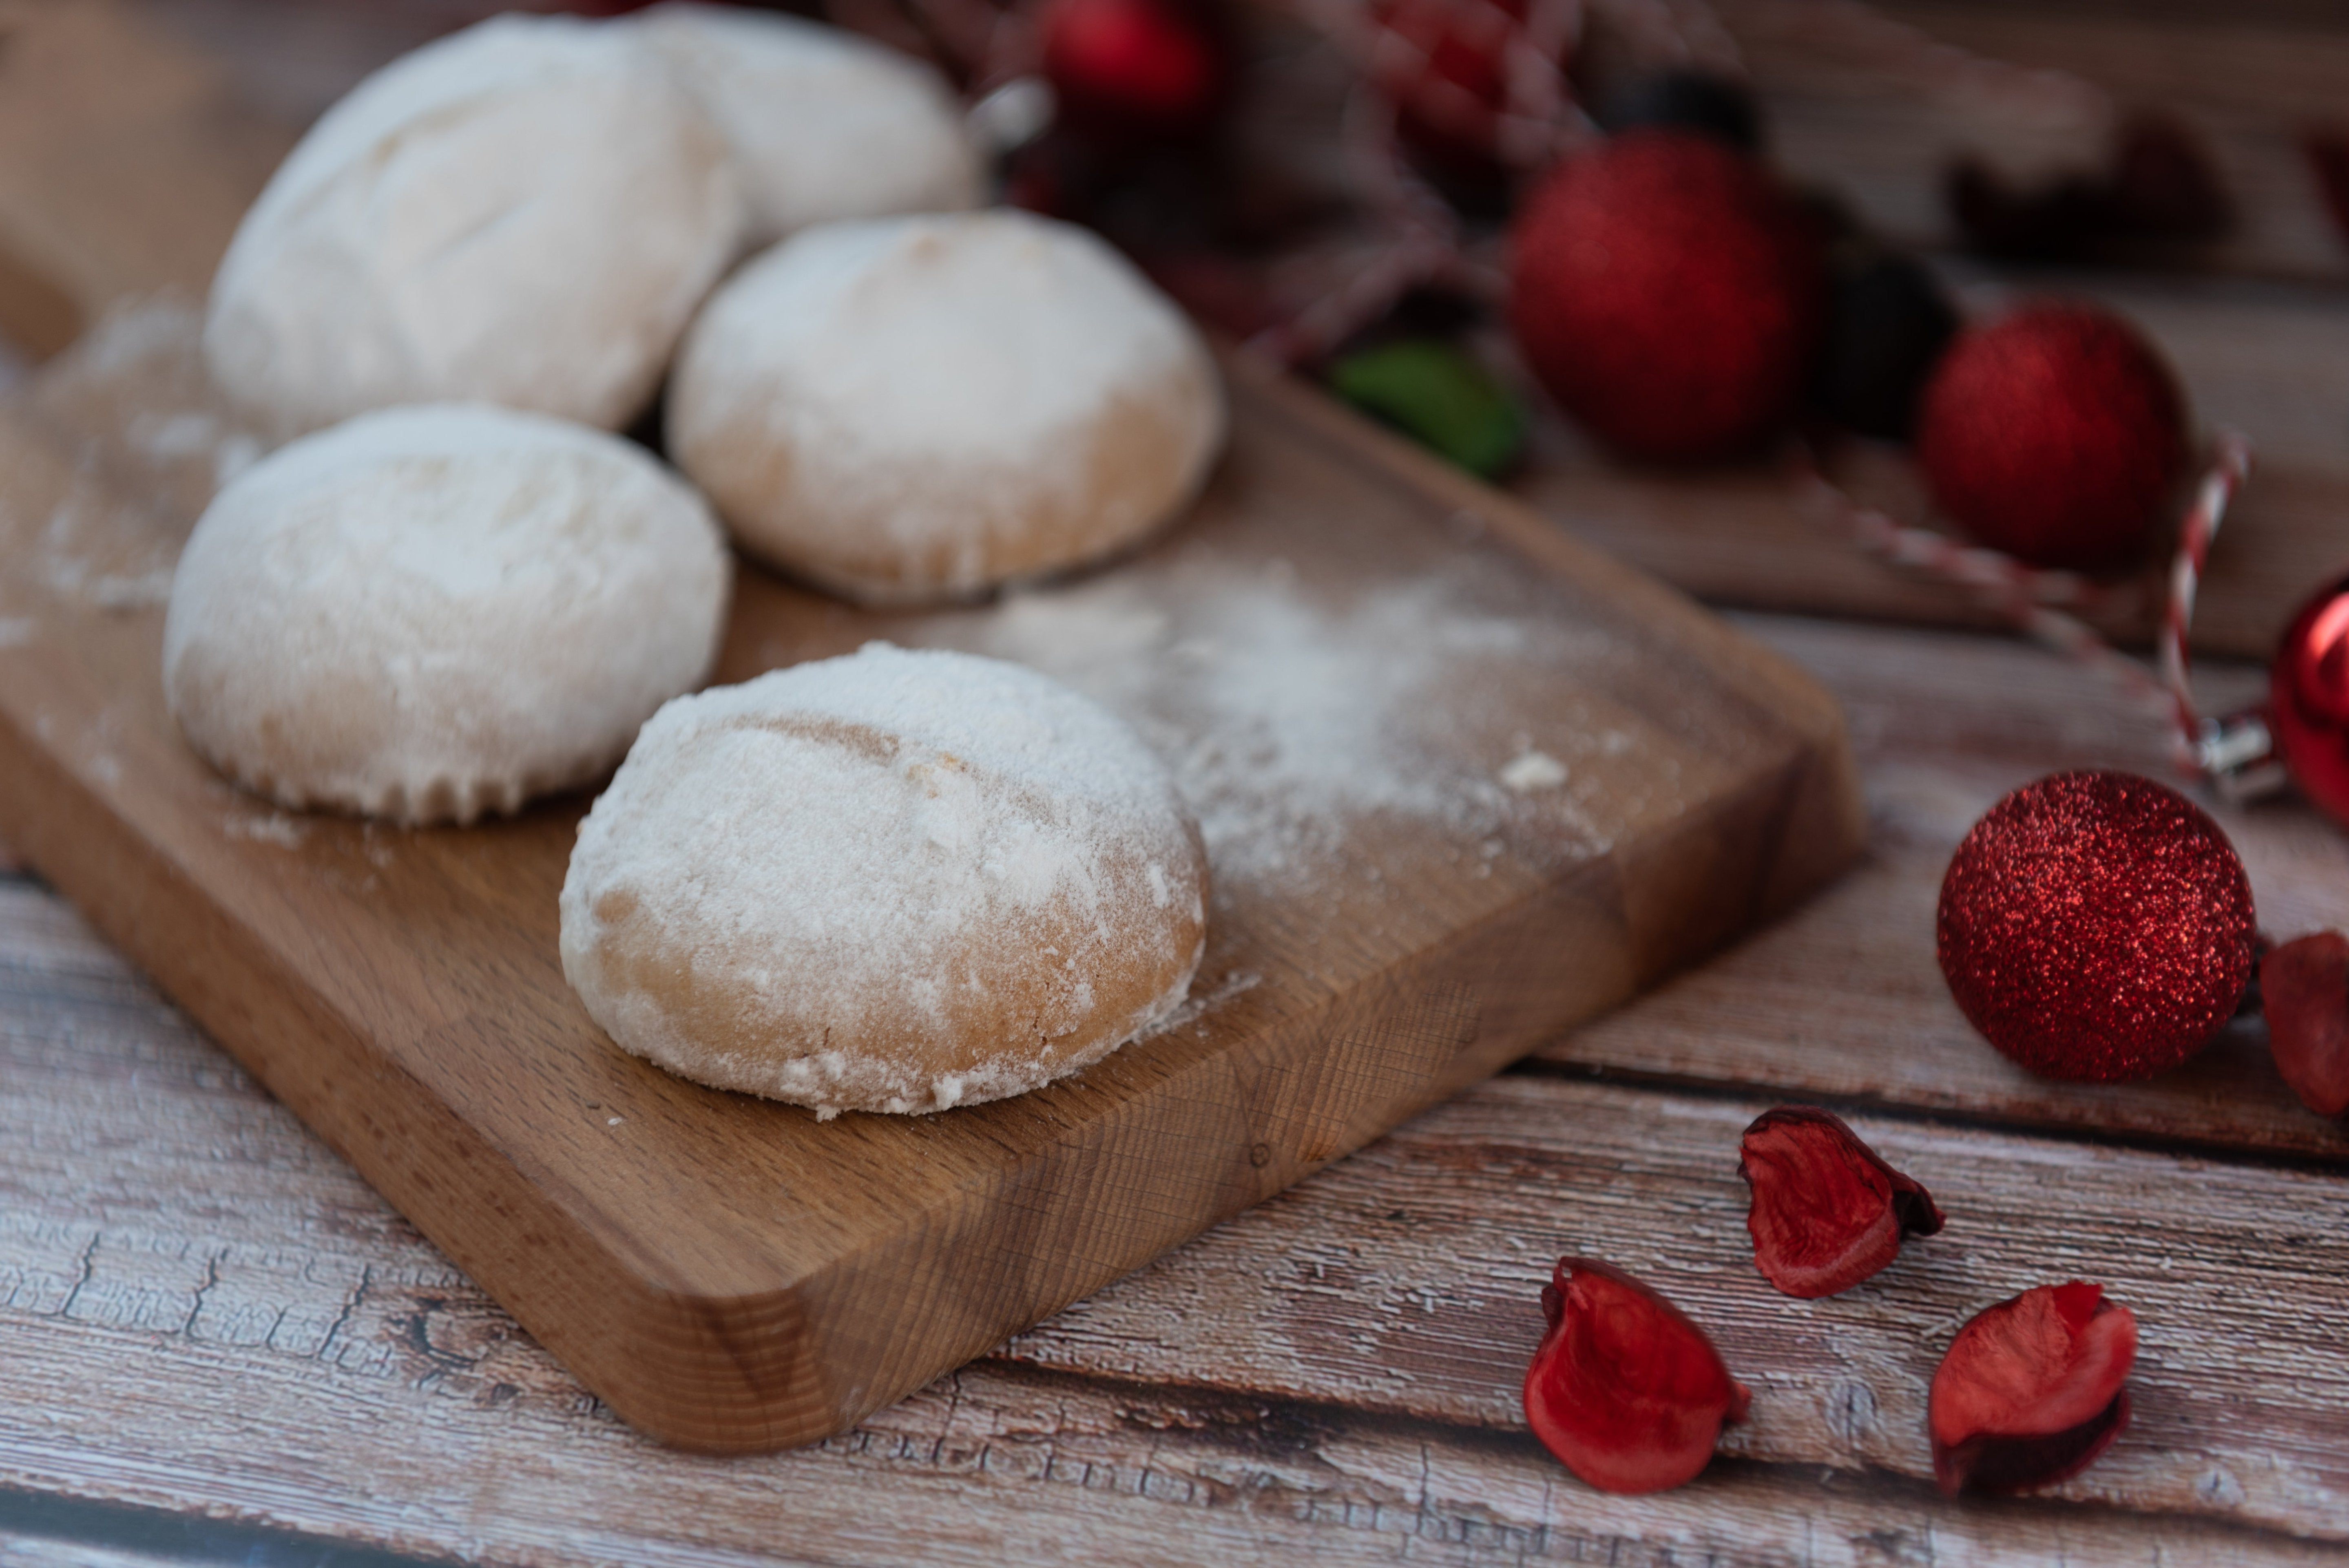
x,y
1439,397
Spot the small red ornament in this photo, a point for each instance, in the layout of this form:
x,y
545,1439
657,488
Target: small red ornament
x,y
2032,1390
2308,700
2096,926
2304,991
1668,294
1625,1390
1827,1212
2055,435
1127,69
1447,65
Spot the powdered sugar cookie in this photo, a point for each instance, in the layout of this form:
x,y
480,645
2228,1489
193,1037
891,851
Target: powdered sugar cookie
x,y
527,212
894,882
909,408
822,123
432,612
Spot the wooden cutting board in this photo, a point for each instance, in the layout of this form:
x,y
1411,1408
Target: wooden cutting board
x,y
1464,784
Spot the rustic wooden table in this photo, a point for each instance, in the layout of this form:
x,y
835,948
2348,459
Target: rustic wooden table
x,y
218,1345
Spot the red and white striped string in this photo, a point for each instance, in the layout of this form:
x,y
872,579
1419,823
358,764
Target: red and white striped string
x,y
2232,753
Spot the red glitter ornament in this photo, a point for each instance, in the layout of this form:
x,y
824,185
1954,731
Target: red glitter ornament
x,y
2055,435
1625,1390
2032,1390
1149,68
2308,700
2096,926
1668,295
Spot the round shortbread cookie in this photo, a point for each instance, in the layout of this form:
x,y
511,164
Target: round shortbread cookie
x,y
432,612
893,881
911,408
525,212
822,124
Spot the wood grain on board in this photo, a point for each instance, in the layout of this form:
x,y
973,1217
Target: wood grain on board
x,y
730,1273
252,1339
253,1335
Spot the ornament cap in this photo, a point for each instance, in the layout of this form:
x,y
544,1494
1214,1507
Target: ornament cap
x,y
2238,754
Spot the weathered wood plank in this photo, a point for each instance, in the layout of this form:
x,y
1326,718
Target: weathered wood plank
x,y
247,1332
1854,109
1844,998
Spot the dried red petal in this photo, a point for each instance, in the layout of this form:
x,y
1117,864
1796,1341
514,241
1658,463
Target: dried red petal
x,y
1625,1390
2304,989
1827,1212
2032,1390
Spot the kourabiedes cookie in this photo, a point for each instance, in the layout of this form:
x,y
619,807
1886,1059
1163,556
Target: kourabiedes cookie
x,y
893,881
430,613
912,408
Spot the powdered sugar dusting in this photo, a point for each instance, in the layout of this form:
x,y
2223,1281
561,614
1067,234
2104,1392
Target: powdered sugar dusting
x,y
1289,715
525,212
889,405
468,606
912,877
1530,770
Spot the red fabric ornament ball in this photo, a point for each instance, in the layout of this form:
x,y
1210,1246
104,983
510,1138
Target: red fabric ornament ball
x,y
2308,700
2055,435
2096,926
1132,68
1668,295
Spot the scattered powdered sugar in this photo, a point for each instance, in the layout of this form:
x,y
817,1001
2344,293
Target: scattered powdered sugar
x,y
16,631
277,828
1530,770
1199,1004
1289,715
85,555
195,433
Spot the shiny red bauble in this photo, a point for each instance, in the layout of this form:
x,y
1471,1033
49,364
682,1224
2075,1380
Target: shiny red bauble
x,y
2096,926
1668,294
1133,68
2055,435
2308,700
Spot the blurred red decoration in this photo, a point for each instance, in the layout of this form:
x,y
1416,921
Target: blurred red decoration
x,y
1475,83
2158,184
2304,990
2096,926
2055,435
2328,149
1133,68
2308,699
1668,294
